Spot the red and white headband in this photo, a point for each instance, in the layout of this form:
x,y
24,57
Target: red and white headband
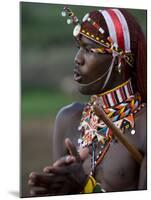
x,y
118,42
118,28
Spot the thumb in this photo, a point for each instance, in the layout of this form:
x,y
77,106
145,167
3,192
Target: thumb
x,y
97,107
83,152
72,149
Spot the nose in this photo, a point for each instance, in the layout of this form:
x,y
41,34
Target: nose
x,y
79,59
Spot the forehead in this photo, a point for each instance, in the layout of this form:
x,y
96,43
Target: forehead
x,y
88,42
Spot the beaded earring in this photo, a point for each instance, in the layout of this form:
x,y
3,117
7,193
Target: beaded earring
x,y
119,65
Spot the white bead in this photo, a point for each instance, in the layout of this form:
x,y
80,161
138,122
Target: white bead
x,y
76,30
133,132
85,17
101,30
79,128
69,21
79,141
63,13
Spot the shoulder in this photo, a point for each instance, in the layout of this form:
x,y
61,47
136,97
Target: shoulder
x,y
66,119
70,110
67,113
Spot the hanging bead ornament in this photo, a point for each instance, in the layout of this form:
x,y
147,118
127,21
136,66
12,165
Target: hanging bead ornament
x,y
72,17
69,21
63,13
119,65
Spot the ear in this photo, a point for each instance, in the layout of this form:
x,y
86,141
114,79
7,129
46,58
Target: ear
x,y
127,71
119,67
116,64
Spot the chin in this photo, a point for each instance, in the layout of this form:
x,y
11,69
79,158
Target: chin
x,y
89,90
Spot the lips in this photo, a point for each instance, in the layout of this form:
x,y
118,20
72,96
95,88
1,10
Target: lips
x,y
77,75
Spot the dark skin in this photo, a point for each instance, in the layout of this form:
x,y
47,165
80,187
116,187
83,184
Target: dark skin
x,y
68,175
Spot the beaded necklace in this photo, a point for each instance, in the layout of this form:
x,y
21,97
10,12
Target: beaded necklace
x,y
120,104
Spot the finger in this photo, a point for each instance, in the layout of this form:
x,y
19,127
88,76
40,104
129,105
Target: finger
x,y
57,170
72,149
62,161
98,110
54,180
38,191
50,169
37,179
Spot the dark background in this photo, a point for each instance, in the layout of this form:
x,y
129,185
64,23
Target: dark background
x,y
47,60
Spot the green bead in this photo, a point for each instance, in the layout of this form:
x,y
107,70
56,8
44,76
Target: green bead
x,y
97,189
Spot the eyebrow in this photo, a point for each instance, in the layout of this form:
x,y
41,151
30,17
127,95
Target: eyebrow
x,y
88,45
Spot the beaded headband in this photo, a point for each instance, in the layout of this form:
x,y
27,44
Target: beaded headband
x,y
118,41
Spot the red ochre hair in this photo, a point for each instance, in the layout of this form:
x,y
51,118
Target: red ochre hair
x,y
138,47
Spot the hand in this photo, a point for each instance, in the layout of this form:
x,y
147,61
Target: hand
x,y
97,107
66,176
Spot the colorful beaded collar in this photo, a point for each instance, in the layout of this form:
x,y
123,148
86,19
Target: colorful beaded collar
x,y
120,105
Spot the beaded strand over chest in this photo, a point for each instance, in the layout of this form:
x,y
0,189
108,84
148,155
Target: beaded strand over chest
x,y
120,105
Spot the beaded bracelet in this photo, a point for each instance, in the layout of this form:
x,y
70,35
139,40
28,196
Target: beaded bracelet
x,y
92,186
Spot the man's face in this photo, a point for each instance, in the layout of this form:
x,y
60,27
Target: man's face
x,y
89,66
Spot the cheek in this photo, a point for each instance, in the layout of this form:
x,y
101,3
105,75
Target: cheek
x,y
98,64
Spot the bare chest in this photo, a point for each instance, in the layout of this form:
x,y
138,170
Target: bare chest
x,y
118,171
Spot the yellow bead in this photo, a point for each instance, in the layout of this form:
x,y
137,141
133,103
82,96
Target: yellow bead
x,y
91,183
88,33
97,38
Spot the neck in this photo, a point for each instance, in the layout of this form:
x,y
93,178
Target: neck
x,y
116,95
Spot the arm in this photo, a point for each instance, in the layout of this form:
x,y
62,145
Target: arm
x,y
67,121
65,176
59,134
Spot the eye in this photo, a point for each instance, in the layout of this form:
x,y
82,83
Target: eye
x,y
98,50
77,46
88,50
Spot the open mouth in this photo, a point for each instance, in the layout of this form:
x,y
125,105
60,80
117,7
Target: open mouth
x,y
77,76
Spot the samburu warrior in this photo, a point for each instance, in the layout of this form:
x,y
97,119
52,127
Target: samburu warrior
x,y
111,67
